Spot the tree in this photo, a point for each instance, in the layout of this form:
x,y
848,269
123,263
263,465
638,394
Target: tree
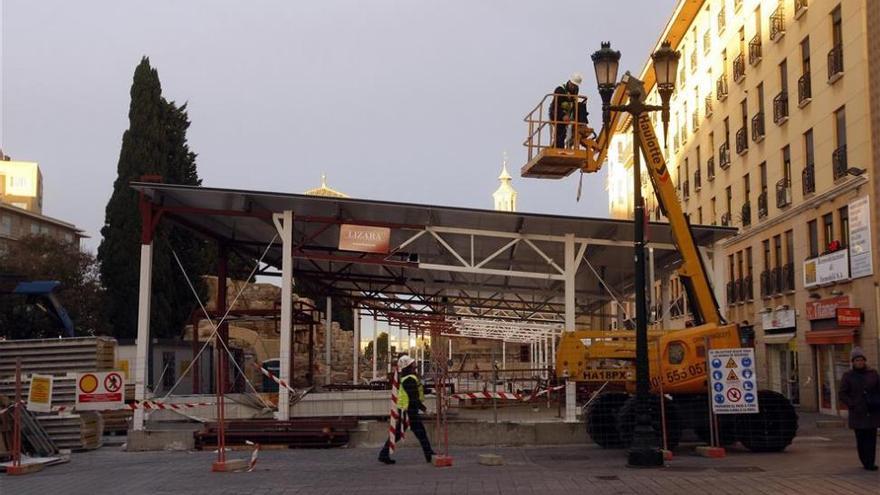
x,y
42,257
154,144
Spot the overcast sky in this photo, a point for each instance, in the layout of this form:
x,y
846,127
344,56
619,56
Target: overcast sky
x,y
402,100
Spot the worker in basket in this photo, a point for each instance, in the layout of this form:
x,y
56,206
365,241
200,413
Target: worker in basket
x,y
563,107
410,405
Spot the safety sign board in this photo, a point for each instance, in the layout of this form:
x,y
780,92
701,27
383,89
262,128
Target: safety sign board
x,y
733,381
96,391
40,394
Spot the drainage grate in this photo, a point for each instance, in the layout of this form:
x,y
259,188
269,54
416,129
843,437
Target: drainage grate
x,y
739,469
609,477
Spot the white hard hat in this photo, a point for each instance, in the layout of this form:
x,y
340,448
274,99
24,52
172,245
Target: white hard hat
x,y
404,361
576,78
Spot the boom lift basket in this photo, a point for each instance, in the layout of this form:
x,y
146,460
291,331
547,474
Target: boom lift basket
x,y
545,159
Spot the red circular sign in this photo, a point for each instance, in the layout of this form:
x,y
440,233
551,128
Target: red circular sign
x,y
112,382
88,383
734,395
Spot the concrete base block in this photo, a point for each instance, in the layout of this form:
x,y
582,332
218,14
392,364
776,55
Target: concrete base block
x,y
152,440
713,452
229,465
491,460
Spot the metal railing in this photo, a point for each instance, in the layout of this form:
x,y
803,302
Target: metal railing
x,y
722,19
726,219
768,287
746,213
695,122
739,67
800,6
747,290
783,193
777,23
838,162
787,277
762,204
808,177
777,279
742,141
805,90
698,180
758,127
545,129
755,50
780,107
721,87
835,62
710,168
731,292
708,110
686,189
724,156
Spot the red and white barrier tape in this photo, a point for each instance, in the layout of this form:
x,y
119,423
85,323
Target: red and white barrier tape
x,y
279,381
254,454
548,390
487,395
393,416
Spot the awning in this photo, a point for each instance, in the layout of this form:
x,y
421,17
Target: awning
x,y
835,336
780,338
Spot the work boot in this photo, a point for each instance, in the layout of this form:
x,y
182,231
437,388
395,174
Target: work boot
x,y
386,460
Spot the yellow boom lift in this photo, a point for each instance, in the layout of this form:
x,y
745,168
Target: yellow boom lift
x,y
677,357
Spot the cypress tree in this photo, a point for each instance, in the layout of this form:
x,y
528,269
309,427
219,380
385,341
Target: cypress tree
x,y
154,144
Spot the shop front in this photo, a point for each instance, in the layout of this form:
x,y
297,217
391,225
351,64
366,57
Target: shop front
x,y
834,326
780,347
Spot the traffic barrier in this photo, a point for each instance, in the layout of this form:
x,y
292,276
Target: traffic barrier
x,y
487,395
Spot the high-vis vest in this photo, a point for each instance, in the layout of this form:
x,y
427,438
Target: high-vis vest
x,y
403,397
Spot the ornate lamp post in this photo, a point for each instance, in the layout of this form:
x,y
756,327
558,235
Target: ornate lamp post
x,y
644,451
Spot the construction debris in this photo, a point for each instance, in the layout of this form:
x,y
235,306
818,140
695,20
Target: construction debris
x,y
82,431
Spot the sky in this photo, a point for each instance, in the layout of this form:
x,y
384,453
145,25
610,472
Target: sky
x,y
402,100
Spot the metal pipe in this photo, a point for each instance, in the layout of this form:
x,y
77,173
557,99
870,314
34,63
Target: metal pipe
x,y
328,339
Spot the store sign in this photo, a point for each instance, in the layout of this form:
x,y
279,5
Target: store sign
x,y
861,259
828,268
849,317
824,309
784,318
364,239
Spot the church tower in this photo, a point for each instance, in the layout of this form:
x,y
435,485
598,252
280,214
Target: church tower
x,y
505,195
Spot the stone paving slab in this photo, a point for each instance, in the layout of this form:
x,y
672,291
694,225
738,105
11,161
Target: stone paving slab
x,y
823,463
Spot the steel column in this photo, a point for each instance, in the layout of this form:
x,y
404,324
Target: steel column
x,y
286,324
328,339
143,331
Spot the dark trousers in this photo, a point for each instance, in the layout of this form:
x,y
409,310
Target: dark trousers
x,y
866,444
561,130
417,428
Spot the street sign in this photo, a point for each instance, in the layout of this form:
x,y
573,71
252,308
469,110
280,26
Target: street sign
x,y
40,394
97,391
733,381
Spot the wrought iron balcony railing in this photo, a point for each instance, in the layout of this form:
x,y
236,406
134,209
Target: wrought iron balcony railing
x,y
762,204
758,127
698,180
746,213
721,87
726,219
777,23
710,168
780,108
742,141
838,162
805,90
708,110
835,63
739,67
724,156
755,50
809,179
787,277
783,193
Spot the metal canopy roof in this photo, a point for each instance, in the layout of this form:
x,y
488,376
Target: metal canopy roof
x,y
451,261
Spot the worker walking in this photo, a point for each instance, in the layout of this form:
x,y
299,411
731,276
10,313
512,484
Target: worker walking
x,y
410,405
860,391
563,108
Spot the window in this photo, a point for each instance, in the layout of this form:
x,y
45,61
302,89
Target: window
x,y
777,251
45,230
789,246
805,55
5,225
762,168
843,217
840,126
731,271
747,187
524,353
786,164
808,148
813,238
836,27
722,19
767,263
838,158
729,195
700,215
749,269
783,76
827,228
675,352
35,228
712,210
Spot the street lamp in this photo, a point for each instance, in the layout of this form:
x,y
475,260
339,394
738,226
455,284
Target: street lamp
x,y
644,451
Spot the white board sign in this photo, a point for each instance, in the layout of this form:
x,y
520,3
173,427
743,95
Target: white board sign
x,y
733,381
860,260
100,391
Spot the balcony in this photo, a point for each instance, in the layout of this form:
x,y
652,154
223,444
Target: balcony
x,y
838,162
800,8
742,141
694,59
783,193
708,107
755,50
787,277
835,64
738,290
695,122
746,213
747,291
686,189
809,179
780,108
710,168
721,88
777,23
722,20
768,285
805,90
726,219
762,204
739,68
758,127
724,156
698,180
731,292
